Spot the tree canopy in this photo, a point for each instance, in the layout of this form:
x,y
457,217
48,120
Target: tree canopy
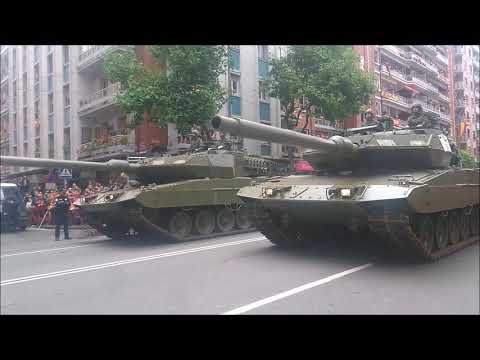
x,y
187,94
320,81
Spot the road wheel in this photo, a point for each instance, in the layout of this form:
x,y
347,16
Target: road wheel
x,y
242,218
180,225
225,220
425,232
204,222
474,221
453,228
441,231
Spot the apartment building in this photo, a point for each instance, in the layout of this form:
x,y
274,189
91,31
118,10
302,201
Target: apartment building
x,y
56,102
465,71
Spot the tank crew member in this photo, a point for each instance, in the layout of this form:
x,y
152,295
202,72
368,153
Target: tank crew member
x,y
60,215
369,117
418,117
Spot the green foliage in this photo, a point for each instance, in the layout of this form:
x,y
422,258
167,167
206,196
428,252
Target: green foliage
x,y
327,77
468,161
187,94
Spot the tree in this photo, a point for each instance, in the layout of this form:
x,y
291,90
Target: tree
x,y
187,94
319,81
468,161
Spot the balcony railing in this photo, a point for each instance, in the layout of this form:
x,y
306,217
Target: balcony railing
x,y
96,52
388,96
443,97
262,68
100,98
113,145
423,62
397,51
424,84
442,58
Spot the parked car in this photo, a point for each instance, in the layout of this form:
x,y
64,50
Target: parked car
x,y
13,213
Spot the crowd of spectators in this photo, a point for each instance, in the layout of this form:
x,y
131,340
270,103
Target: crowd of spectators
x,y
39,201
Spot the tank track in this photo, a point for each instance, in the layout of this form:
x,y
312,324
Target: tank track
x,y
136,219
399,232
393,227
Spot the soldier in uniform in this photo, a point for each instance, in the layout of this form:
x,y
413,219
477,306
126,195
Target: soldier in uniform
x,y
369,117
60,215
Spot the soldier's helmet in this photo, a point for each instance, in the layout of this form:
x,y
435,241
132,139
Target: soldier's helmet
x,y
417,109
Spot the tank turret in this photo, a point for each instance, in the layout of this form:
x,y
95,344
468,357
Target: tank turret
x,y
374,146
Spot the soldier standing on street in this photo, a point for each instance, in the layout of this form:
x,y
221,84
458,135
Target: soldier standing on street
x,y
60,215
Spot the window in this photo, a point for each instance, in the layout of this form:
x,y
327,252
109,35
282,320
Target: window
x,y
24,58
66,105
50,103
50,64
235,106
37,110
25,149
25,124
51,146
37,148
4,96
24,88
86,134
262,91
265,150
234,59
49,48
66,75
14,89
4,66
66,144
66,117
264,112
262,52
66,54
14,62
235,85
36,54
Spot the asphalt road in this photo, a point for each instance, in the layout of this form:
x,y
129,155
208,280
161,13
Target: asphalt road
x,y
239,274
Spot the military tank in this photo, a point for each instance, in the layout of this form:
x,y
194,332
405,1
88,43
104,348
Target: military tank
x,y
182,196
403,184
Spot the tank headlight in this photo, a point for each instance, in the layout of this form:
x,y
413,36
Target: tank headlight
x,y
269,191
345,192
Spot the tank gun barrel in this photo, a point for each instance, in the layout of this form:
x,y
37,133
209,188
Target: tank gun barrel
x,y
256,131
111,165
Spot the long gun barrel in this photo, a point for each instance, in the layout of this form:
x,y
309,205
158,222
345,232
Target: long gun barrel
x,y
256,131
111,165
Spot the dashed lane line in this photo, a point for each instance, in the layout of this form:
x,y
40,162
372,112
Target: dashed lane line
x,y
282,295
125,262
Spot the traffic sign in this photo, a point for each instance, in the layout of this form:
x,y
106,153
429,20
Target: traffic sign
x,y
66,173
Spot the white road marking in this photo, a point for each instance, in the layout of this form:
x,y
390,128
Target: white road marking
x,y
124,262
294,291
44,250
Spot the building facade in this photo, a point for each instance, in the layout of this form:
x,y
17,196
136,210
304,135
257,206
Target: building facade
x,y
56,101
465,71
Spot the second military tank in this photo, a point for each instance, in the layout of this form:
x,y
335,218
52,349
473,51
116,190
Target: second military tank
x,y
183,196
403,184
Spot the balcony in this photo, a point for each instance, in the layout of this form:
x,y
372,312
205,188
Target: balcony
x,y
100,99
396,51
430,49
396,99
458,85
460,103
443,97
114,145
424,84
444,117
96,53
458,68
443,59
416,59
443,78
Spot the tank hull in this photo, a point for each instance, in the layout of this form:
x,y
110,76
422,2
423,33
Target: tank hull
x,y
149,211
389,204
